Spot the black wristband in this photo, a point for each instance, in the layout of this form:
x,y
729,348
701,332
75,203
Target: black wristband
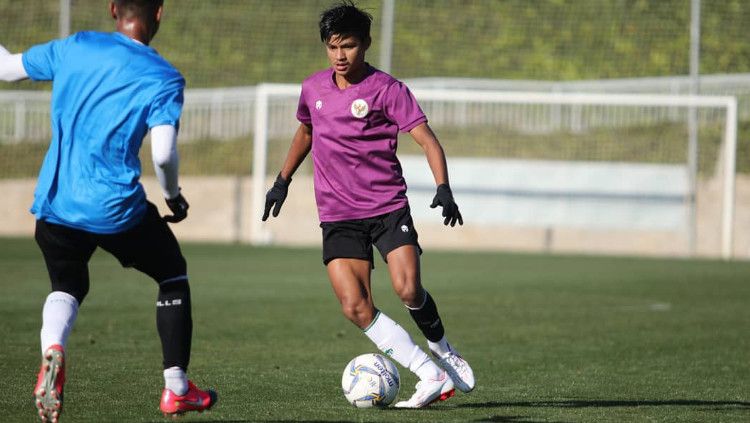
x,y
281,181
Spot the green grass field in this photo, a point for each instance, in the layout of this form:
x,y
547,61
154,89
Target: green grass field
x,y
550,338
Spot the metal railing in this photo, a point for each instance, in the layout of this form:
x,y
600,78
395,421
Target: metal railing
x,y
226,113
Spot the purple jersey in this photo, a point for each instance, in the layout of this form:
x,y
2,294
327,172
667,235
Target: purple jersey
x,y
354,140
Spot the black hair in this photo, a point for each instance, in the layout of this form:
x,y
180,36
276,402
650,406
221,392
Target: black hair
x,y
144,9
345,18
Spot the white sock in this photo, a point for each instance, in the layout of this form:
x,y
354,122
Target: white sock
x,y
441,348
58,316
394,341
175,380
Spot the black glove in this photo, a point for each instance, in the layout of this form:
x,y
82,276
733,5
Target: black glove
x,y
444,197
179,208
276,195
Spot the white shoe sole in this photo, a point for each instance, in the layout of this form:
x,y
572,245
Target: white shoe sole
x,y
446,392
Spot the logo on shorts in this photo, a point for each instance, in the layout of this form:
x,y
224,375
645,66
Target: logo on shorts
x,y
318,104
404,228
360,108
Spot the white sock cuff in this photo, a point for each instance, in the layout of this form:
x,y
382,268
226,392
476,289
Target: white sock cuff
x,y
62,296
424,301
374,322
441,347
174,371
175,379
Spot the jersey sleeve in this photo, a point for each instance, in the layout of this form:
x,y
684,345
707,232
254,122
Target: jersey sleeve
x,y
303,111
167,106
402,108
42,61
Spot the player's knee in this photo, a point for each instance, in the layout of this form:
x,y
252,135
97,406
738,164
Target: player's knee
x,y
409,293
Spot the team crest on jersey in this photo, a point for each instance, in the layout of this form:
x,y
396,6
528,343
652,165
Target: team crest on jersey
x,y
318,104
360,108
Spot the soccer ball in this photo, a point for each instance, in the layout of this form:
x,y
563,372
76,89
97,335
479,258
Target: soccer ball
x,y
370,380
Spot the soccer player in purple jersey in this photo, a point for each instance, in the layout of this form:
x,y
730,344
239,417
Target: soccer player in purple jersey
x,y
350,117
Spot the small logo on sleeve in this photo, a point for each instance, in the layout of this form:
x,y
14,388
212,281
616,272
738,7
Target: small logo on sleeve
x,y
404,228
318,104
360,108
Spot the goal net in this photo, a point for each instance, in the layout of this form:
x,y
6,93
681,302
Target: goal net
x,y
610,173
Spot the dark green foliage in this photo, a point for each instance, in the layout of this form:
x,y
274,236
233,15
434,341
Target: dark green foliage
x,y
244,42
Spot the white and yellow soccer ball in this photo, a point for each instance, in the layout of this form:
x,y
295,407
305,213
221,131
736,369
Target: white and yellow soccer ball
x,y
370,380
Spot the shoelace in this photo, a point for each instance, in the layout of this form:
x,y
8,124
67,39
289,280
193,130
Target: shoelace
x,y
456,362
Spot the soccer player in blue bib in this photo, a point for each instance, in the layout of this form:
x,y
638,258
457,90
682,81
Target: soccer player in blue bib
x,y
109,90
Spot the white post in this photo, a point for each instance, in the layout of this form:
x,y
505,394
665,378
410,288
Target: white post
x,y
386,36
692,159
64,22
730,153
258,235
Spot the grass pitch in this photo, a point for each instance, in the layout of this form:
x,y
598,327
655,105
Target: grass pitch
x,y
550,338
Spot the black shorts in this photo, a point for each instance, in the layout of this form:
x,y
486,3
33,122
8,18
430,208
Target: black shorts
x,y
150,247
355,238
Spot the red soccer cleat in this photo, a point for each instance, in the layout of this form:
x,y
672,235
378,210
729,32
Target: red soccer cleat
x,y
48,392
193,400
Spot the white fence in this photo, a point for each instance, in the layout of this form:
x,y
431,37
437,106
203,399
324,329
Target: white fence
x,y
226,113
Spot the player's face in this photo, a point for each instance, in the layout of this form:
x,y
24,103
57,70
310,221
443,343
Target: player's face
x,y
346,55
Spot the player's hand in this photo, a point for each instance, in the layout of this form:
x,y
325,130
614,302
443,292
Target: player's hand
x,y
179,208
275,196
444,198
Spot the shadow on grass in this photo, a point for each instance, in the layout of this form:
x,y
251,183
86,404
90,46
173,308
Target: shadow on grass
x,y
512,419
493,419
179,420
610,403
715,405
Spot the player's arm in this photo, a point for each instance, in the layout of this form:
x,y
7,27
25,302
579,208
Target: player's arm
x,y
426,139
301,144
11,66
166,165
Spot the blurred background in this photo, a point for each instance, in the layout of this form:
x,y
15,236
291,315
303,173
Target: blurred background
x,y
530,171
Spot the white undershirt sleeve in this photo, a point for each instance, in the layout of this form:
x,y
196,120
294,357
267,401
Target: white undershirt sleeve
x,y
165,158
11,66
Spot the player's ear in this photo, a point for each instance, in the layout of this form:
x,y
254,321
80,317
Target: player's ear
x,y
367,42
113,10
158,13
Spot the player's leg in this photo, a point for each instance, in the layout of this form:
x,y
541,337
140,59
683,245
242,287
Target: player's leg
x,y
66,253
152,248
403,265
347,253
350,280
398,243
